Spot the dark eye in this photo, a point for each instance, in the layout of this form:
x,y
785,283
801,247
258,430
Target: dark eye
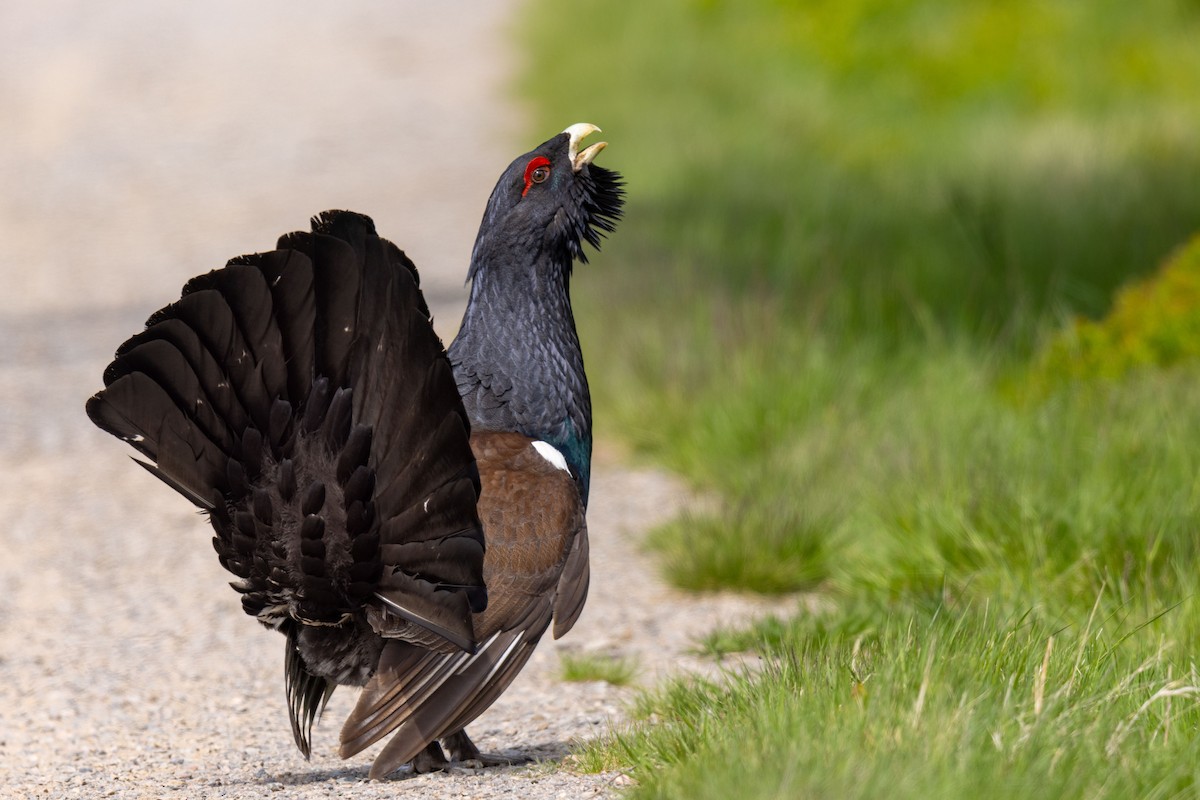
x,y
536,171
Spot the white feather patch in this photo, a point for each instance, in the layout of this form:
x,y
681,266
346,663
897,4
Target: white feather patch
x,y
552,454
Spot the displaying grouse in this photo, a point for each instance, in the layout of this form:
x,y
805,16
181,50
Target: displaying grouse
x,y
412,522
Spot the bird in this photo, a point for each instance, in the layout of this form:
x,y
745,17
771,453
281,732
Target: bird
x,y
411,518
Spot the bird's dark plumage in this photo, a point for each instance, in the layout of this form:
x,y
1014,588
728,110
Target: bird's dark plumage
x,y
411,522
517,357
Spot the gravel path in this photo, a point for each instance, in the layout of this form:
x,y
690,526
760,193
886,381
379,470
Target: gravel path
x,y
146,142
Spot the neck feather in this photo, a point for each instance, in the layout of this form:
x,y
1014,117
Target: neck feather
x,y
517,358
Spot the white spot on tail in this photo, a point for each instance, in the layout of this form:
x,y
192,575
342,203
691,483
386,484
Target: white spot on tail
x,y
552,454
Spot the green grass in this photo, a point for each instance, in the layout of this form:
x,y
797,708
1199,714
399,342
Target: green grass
x,y
979,702
1154,322
973,531
582,667
853,230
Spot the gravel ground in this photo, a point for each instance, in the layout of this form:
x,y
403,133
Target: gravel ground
x,y
146,142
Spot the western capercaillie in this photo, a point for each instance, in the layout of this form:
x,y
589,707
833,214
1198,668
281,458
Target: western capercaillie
x,y
411,520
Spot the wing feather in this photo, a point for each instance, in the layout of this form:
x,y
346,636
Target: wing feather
x,y
572,585
535,568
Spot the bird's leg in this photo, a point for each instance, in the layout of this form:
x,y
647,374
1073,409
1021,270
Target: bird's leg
x,y
431,759
461,749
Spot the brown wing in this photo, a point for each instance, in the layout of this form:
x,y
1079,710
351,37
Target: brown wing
x,y
533,521
572,585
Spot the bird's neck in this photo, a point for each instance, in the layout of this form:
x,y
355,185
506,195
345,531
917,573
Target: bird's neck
x,y
517,358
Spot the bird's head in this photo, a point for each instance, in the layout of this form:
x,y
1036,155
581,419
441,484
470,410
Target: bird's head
x,y
551,200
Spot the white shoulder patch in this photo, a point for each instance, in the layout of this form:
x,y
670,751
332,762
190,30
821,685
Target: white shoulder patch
x,y
552,454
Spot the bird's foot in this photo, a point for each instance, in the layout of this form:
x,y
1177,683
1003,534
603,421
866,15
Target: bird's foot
x,y
431,759
463,751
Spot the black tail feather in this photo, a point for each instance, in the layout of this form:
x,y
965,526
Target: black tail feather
x,y
302,397
307,694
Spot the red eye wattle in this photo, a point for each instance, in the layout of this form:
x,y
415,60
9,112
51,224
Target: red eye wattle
x,y
536,171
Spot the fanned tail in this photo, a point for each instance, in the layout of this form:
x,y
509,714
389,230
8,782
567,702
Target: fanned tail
x,y
301,398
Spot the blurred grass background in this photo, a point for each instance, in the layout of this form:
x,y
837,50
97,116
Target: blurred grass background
x,y
889,290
